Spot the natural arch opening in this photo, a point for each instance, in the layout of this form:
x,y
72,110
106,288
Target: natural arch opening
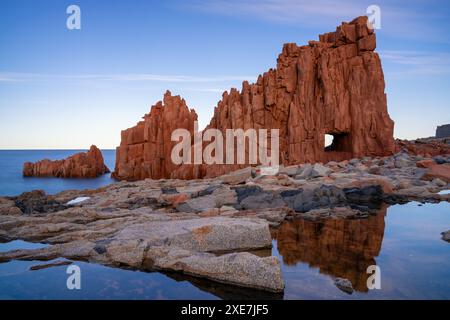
x,y
337,142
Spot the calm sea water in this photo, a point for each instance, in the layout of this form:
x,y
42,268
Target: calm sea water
x,y
404,241
13,183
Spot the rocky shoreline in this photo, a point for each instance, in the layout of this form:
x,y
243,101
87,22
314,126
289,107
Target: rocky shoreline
x,y
218,229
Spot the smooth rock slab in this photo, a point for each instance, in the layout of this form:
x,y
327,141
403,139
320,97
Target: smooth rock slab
x,y
204,234
242,269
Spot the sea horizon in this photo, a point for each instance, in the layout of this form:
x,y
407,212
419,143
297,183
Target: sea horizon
x,y
12,182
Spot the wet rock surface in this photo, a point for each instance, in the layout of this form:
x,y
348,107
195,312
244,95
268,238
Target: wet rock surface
x,y
210,228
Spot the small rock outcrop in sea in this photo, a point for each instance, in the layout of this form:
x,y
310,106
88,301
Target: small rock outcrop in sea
x,y
88,164
344,285
334,86
446,236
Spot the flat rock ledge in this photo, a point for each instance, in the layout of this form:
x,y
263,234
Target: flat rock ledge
x,y
218,229
208,247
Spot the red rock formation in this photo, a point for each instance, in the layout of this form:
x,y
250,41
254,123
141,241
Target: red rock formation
x,y
332,86
145,149
81,165
427,147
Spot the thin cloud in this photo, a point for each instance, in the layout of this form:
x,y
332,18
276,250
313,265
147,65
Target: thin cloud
x,y
398,19
19,77
212,90
404,63
281,10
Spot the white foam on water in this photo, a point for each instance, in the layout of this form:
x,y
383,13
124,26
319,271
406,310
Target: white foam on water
x,y
444,192
77,200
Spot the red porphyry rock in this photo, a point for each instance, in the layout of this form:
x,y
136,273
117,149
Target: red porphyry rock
x,y
440,171
332,86
81,165
427,148
425,163
145,150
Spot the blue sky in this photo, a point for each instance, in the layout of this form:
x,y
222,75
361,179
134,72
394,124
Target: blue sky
x,y
63,89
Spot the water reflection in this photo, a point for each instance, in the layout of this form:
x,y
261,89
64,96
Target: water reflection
x,y
338,247
224,291
405,243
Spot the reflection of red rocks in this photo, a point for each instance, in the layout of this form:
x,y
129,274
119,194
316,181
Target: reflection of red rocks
x,y
81,165
333,86
145,150
338,247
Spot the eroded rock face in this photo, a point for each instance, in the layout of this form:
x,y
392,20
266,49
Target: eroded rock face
x,y
333,86
81,165
145,149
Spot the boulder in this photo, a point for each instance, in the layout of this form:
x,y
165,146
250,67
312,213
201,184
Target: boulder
x,y
319,170
344,285
37,201
305,199
145,150
440,171
402,162
384,182
237,177
423,147
440,159
446,236
425,163
262,200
